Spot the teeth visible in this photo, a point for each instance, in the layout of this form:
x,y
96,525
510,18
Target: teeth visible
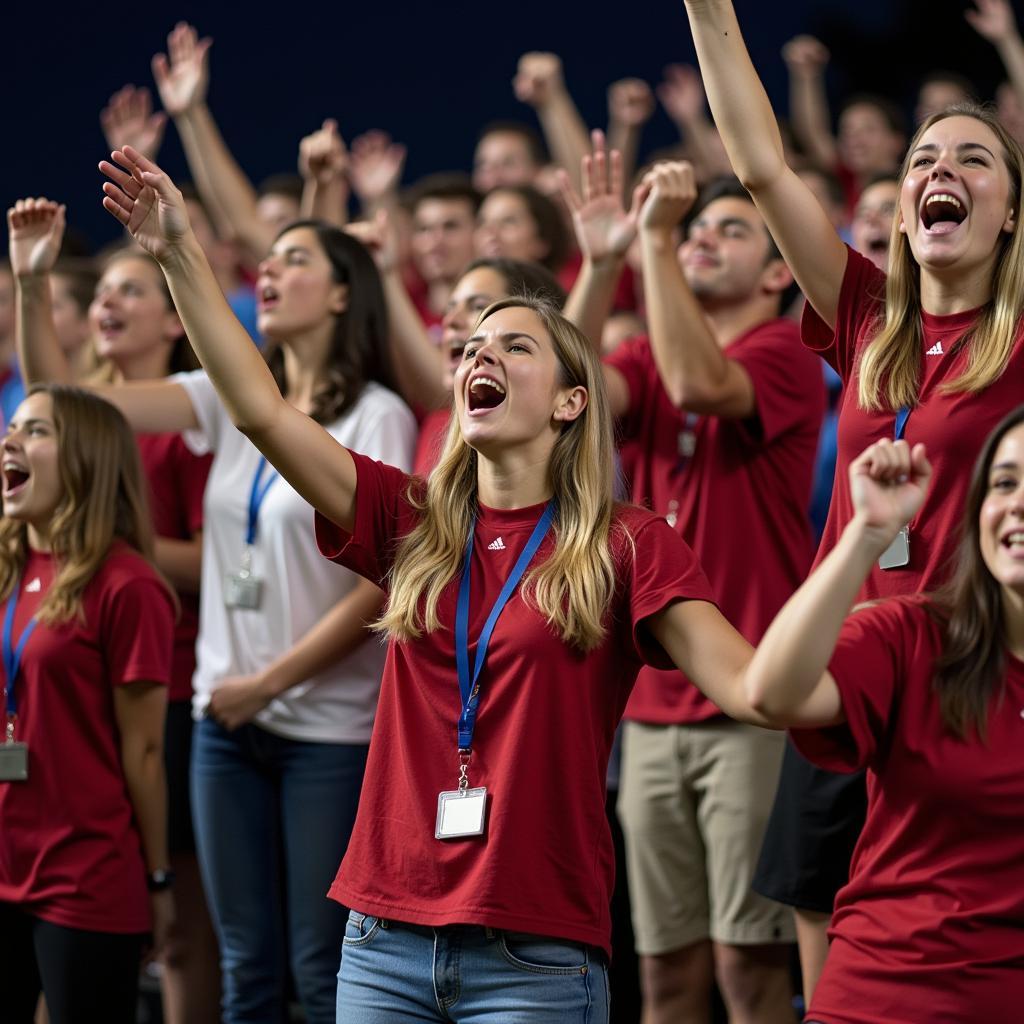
x,y
1015,538
491,383
13,467
109,323
943,197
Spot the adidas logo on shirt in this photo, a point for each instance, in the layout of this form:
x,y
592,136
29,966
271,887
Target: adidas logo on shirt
x,y
34,586
935,350
496,545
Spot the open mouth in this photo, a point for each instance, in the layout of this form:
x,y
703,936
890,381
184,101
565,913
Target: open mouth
x,y
268,297
111,325
1014,541
878,245
15,477
942,213
484,393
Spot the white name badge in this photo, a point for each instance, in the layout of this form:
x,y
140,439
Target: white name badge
x,y
897,554
13,762
461,814
242,590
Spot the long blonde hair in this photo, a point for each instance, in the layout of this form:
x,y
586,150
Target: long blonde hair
x,y
572,589
103,499
890,367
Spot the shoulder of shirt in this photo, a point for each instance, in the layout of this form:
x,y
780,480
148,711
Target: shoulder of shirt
x,y
636,347
920,610
633,519
873,280
375,400
123,565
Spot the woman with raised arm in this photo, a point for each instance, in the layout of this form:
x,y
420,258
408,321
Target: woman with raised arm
x,y
286,679
925,692
139,336
480,867
932,351
87,643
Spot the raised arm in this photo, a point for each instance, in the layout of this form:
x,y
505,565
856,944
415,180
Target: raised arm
x,y
806,59
182,77
694,371
630,107
418,363
682,95
323,164
808,241
146,202
375,170
128,120
604,231
539,82
786,683
35,229
993,20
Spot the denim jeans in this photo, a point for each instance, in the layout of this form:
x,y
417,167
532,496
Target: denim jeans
x,y
466,974
272,819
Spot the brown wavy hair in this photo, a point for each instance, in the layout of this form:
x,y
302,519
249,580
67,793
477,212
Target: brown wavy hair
x,y
971,672
103,501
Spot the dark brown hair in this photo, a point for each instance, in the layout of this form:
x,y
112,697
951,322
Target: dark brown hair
x,y
971,670
545,215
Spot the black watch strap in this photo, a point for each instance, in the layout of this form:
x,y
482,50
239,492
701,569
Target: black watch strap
x,y
160,880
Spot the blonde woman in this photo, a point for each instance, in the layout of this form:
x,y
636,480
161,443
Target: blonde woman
x,y
87,640
522,603
932,352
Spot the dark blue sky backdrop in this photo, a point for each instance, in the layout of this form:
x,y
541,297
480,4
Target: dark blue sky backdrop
x,y
430,74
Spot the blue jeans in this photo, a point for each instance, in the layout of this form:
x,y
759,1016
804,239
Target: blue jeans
x,y
272,819
466,974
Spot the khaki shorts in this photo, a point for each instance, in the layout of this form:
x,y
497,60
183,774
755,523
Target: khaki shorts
x,y
693,803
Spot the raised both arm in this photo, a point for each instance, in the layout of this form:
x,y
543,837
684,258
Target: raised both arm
x,y
182,78
805,235
144,199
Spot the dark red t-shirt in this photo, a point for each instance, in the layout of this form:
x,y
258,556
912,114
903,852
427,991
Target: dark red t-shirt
x,y
740,502
69,849
177,480
430,441
953,426
930,926
625,299
546,722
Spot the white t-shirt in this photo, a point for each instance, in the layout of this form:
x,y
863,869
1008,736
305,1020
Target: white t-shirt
x,y
299,585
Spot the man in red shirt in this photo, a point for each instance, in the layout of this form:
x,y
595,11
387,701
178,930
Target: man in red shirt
x,y
721,406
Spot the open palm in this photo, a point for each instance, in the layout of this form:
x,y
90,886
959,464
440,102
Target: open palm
x,y
182,77
35,230
145,201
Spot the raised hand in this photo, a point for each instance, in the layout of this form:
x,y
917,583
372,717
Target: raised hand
x,y
183,78
375,166
992,20
671,192
604,228
380,237
322,154
538,78
805,55
888,483
630,102
682,93
144,199
128,120
35,229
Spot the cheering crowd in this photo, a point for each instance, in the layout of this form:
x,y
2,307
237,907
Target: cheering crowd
x,y
344,523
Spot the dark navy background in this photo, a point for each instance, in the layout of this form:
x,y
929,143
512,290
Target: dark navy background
x,y
431,74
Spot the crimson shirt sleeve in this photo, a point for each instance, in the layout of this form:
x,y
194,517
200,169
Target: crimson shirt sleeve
x,y
869,665
137,625
861,301
633,360
383,517
787,382
662,570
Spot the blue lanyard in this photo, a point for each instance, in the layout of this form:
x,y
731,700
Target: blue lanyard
x,y
12,653
468,687
902,415
256,497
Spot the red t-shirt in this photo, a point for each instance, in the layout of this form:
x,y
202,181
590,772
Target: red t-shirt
x,y
430,441
547,717
177,479
69,849
740,502
625,299
953,426
930,926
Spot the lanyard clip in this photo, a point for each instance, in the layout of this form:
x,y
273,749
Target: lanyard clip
x,y
9,731
464,755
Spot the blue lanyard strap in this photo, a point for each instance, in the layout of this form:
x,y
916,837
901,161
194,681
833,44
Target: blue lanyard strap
x,y
256,497
902,416
468,688
12,653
